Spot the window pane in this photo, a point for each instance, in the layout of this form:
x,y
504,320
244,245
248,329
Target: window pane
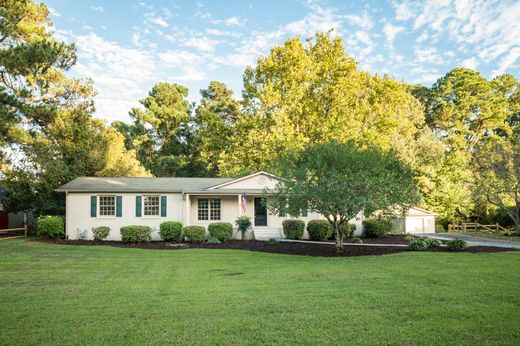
x,y
203,209
215,209
151,205
107,206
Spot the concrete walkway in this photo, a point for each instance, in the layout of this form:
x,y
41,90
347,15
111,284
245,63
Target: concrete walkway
x,y
474,240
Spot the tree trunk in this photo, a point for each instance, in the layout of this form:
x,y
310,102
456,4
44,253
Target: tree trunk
x,y
339,240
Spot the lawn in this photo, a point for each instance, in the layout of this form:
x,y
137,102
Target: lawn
x,y
59,294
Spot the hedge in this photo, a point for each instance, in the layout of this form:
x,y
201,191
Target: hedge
x,y
136,234
101,232
293,229
195,234
51,227
170,231
376,227
223,231
319,229
456,245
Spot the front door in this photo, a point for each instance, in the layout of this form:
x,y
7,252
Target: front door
x,y
260,212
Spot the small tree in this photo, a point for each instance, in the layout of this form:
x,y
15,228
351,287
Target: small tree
x,y
340,180
243,224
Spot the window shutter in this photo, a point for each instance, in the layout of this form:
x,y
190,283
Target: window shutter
x,y
93,206
138,205
163,206
119,206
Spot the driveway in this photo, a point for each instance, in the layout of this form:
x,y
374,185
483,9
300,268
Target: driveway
x,y
473,240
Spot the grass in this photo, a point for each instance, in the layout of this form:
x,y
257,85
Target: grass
x,y
52,294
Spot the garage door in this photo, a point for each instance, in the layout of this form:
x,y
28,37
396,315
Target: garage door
x,y
415,225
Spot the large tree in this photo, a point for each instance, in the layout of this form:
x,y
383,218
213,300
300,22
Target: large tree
x,y
339,181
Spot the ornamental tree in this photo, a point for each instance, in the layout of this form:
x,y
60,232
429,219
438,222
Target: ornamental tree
x,y
340,180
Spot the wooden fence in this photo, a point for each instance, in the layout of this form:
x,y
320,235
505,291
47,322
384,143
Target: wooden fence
x,y
473,226
12,230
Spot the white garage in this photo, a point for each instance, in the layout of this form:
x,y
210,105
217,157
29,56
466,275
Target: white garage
x,y
415,221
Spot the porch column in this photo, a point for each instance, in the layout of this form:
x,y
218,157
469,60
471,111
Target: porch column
x,y
188,209
239,205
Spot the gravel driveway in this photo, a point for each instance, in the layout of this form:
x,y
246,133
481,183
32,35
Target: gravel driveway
x,y
474,240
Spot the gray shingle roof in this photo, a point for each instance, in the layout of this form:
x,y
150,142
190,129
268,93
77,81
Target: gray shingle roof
x,y
108,184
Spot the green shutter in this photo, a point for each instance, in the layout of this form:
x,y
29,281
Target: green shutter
x,y
119,206
138,203
93,206
163,206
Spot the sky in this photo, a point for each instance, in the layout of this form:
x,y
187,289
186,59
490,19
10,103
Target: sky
x,y
127,46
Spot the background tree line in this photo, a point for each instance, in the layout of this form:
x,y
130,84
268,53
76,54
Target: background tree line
x,y
301,93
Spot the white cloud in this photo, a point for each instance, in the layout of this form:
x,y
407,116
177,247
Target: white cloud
x,y
155,19
471,63
200,43
53,12
97,8
235,21
319,19
362,20
390,32
403,11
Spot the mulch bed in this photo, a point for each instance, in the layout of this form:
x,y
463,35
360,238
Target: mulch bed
x,y
288,248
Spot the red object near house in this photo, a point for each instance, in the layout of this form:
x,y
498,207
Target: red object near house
x,y
4,220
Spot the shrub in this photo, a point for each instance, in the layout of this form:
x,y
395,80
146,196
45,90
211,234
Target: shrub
x,y
100,233
348,229
357,240
223,231
170,231
377,227
271,241
418,245
431,243
293,229
457,245
195,234
319,229
243,224
439,228
213,241
409,237
136,234
51,227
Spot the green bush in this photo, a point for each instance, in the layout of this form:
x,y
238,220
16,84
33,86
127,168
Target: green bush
x,y
195,234
51,227
170,231
293,229
431,243
357,240
223,231
271,241
243,224
457,245
348,229
418,245
409,237
439,228
377,227
100,233
319,229
136,234
213,241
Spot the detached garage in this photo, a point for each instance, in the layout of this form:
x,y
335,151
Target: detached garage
x,y
415,221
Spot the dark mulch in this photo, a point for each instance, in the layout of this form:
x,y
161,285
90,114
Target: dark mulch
x,y
289,248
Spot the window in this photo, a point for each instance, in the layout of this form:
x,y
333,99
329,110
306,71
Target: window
x,y
107,206
208,209
151,205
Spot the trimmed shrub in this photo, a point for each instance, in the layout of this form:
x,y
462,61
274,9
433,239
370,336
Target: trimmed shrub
x,y
170,231
271,242
243,224
376,227
409,237
136,234
51,227
357,240
418,245
100,233
293,229
431,243
457,245
439,228
213,241
348,229
223,231
195,234
319,229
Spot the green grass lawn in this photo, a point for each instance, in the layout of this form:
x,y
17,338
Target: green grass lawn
x,y
52,294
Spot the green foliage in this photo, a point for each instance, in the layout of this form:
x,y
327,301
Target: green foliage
x,y
319,229
243,224
195,234
439,228
348,229
136,234
409,237
417,245
293,229
457,245
50,227
213,241
357,240
271,242
223,231
431,243
100,233
376,227
170,231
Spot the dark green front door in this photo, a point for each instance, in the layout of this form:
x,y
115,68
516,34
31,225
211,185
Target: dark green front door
x,y
260,212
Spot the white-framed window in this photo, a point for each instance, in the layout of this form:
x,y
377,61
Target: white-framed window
x,y
151,205
107,205
208,209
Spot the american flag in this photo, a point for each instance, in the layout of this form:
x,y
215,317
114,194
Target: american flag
x,y
244,203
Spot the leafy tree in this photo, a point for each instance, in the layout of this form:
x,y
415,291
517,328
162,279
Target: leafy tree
x,y
499,175
340,180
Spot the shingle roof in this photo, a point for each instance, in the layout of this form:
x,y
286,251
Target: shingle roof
x,y
108,184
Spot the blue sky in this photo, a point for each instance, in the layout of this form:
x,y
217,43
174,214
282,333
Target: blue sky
x,y
127,46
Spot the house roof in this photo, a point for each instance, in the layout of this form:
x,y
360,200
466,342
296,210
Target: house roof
x,y
127,184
